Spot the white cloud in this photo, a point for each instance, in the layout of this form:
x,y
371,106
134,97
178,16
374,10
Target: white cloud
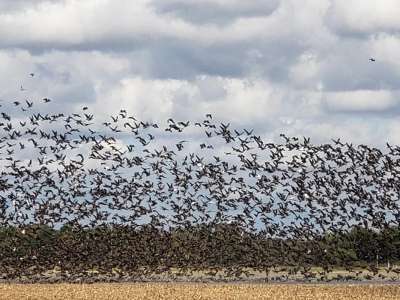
x,y
386,49
363,100
305,72
93,22
391,133
362,16
219,12
147,99
356,130
285,65
240,100
247,100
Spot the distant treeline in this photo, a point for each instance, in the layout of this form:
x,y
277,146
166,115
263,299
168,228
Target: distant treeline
x,y
37,248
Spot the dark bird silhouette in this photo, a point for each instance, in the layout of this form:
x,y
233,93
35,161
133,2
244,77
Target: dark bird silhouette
x,y
30,104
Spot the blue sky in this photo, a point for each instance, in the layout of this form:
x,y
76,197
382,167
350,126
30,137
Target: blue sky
x,y
298,67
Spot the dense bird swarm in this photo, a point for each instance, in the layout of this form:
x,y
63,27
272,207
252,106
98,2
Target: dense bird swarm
x,y
134,199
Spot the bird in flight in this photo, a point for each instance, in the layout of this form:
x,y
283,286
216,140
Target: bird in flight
x,y
372,59
31,74
30,104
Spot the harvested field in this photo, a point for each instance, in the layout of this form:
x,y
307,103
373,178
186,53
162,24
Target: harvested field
x,y
198,291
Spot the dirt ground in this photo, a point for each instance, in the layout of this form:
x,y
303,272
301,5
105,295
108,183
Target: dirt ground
x,y
199,291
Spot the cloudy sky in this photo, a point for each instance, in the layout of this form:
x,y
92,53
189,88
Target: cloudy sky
x,y
297,67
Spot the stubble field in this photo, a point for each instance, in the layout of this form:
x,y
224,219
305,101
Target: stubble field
x,y
199,291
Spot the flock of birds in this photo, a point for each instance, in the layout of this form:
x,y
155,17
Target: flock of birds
x,y
59,168
82,172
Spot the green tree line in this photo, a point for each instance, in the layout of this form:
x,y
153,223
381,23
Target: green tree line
x,y
37,248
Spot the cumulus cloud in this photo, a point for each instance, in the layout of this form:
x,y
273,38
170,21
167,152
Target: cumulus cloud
x,y
386,47
23,5
365,17
359,101
279,66
220,12
228,99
